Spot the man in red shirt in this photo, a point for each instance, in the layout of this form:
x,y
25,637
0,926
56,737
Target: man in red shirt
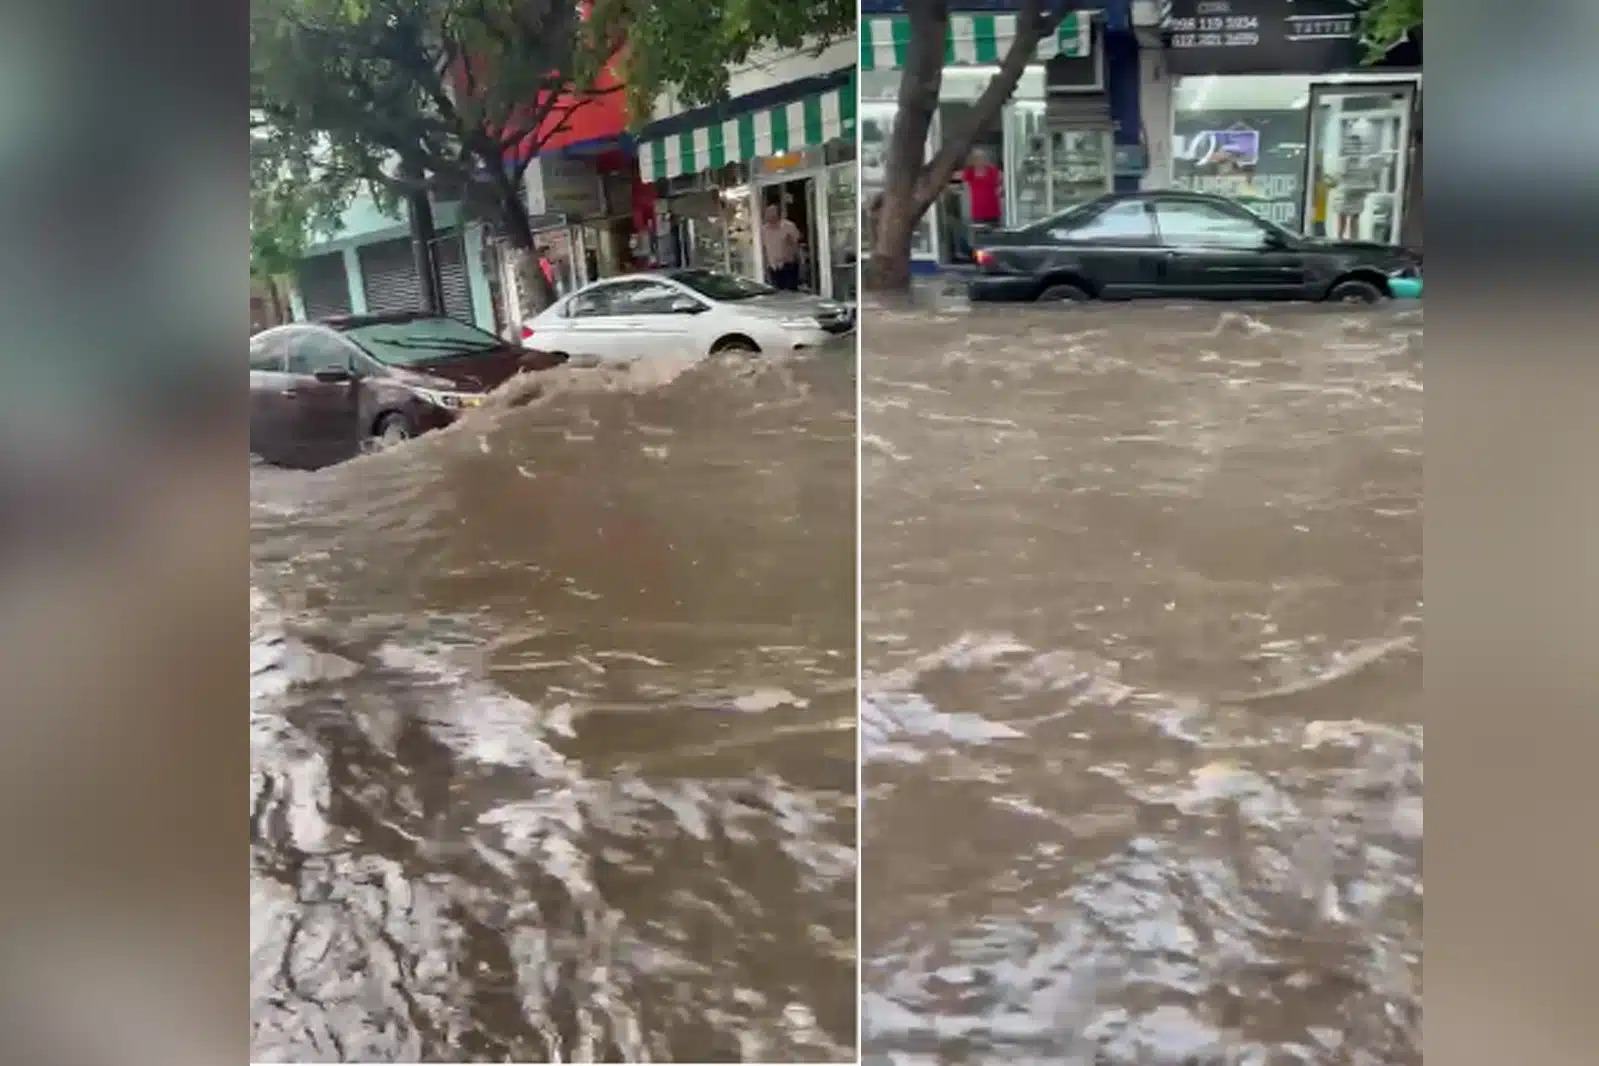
x,y
985,185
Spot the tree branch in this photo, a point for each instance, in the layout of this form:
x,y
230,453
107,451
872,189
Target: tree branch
x,y
1033,24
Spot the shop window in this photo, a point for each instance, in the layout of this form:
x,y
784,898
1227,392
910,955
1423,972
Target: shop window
x,y
876,124
1359,148
843,213
1244,137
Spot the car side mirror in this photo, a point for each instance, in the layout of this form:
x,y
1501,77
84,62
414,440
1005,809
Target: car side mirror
x,y
686,305
333,375
1275,241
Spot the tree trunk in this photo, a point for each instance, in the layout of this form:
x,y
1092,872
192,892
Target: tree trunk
x,y
422,238
419,207
536,289
919,81
889,269
909,187
275,294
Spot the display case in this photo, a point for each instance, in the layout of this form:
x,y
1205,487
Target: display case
x,y
843,228
1079,167
1027,165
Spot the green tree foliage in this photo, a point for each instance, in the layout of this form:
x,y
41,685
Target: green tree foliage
x,y
692,45
1386,23
292,201
407,95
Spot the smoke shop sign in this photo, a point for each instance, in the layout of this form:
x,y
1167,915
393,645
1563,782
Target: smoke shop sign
x,y
1263,36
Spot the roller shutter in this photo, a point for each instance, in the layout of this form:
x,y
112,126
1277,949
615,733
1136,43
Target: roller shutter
x,y
324,287
388,270
457,290
388,276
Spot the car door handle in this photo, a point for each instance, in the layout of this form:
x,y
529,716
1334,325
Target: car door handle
x,y
290,392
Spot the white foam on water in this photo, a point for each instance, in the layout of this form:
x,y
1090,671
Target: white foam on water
x,y
767,699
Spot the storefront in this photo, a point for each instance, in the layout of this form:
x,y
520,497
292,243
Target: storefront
x,y
369,266
1272,106
715,168
1053,140
584,207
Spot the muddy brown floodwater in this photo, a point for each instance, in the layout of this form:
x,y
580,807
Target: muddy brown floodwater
x,y
554,730
1142,679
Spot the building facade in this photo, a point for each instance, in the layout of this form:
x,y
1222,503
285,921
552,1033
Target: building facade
x,y
367,267
585,204
1070,132
1267,101
786,137
1270,102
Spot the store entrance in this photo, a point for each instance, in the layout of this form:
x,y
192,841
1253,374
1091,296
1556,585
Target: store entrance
x,y
1359,144
795,200
954,209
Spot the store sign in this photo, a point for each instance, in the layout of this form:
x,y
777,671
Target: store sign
x,y
1256,157
1264,36
782,164
570,187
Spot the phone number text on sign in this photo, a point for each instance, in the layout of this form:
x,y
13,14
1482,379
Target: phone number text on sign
x,y
1238,39
1215,23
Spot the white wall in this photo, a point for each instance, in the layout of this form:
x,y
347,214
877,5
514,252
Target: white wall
x,y
772,68
1155,110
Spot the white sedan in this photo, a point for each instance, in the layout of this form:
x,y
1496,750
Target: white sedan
x,y
685,312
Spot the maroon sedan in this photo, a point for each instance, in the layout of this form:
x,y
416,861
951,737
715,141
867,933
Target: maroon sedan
x,y
323,392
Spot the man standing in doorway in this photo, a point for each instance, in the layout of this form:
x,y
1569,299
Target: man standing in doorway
x,y
780,246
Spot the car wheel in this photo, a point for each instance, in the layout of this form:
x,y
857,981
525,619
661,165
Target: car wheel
x,y
735,346
1053,294
392,429
1355,291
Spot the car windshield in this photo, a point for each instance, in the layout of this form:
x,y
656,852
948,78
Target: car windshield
x,y
420,340
714,286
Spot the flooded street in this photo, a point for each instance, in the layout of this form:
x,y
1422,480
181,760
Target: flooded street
x,y
554,730
1142,686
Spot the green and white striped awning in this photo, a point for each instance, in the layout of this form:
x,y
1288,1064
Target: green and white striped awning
x,y
974,40
808,122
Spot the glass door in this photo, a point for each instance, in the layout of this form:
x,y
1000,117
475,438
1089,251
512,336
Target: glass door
x,y
875,123
1079,167
1356,181
842,216
1026,164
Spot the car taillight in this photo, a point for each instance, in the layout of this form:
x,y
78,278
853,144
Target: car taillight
x,y
527,331
983,257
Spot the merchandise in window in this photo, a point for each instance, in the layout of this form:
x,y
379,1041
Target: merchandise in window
x,y
1243,137
842,222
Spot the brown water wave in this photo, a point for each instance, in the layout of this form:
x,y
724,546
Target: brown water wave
x,y
1142,607
554,730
